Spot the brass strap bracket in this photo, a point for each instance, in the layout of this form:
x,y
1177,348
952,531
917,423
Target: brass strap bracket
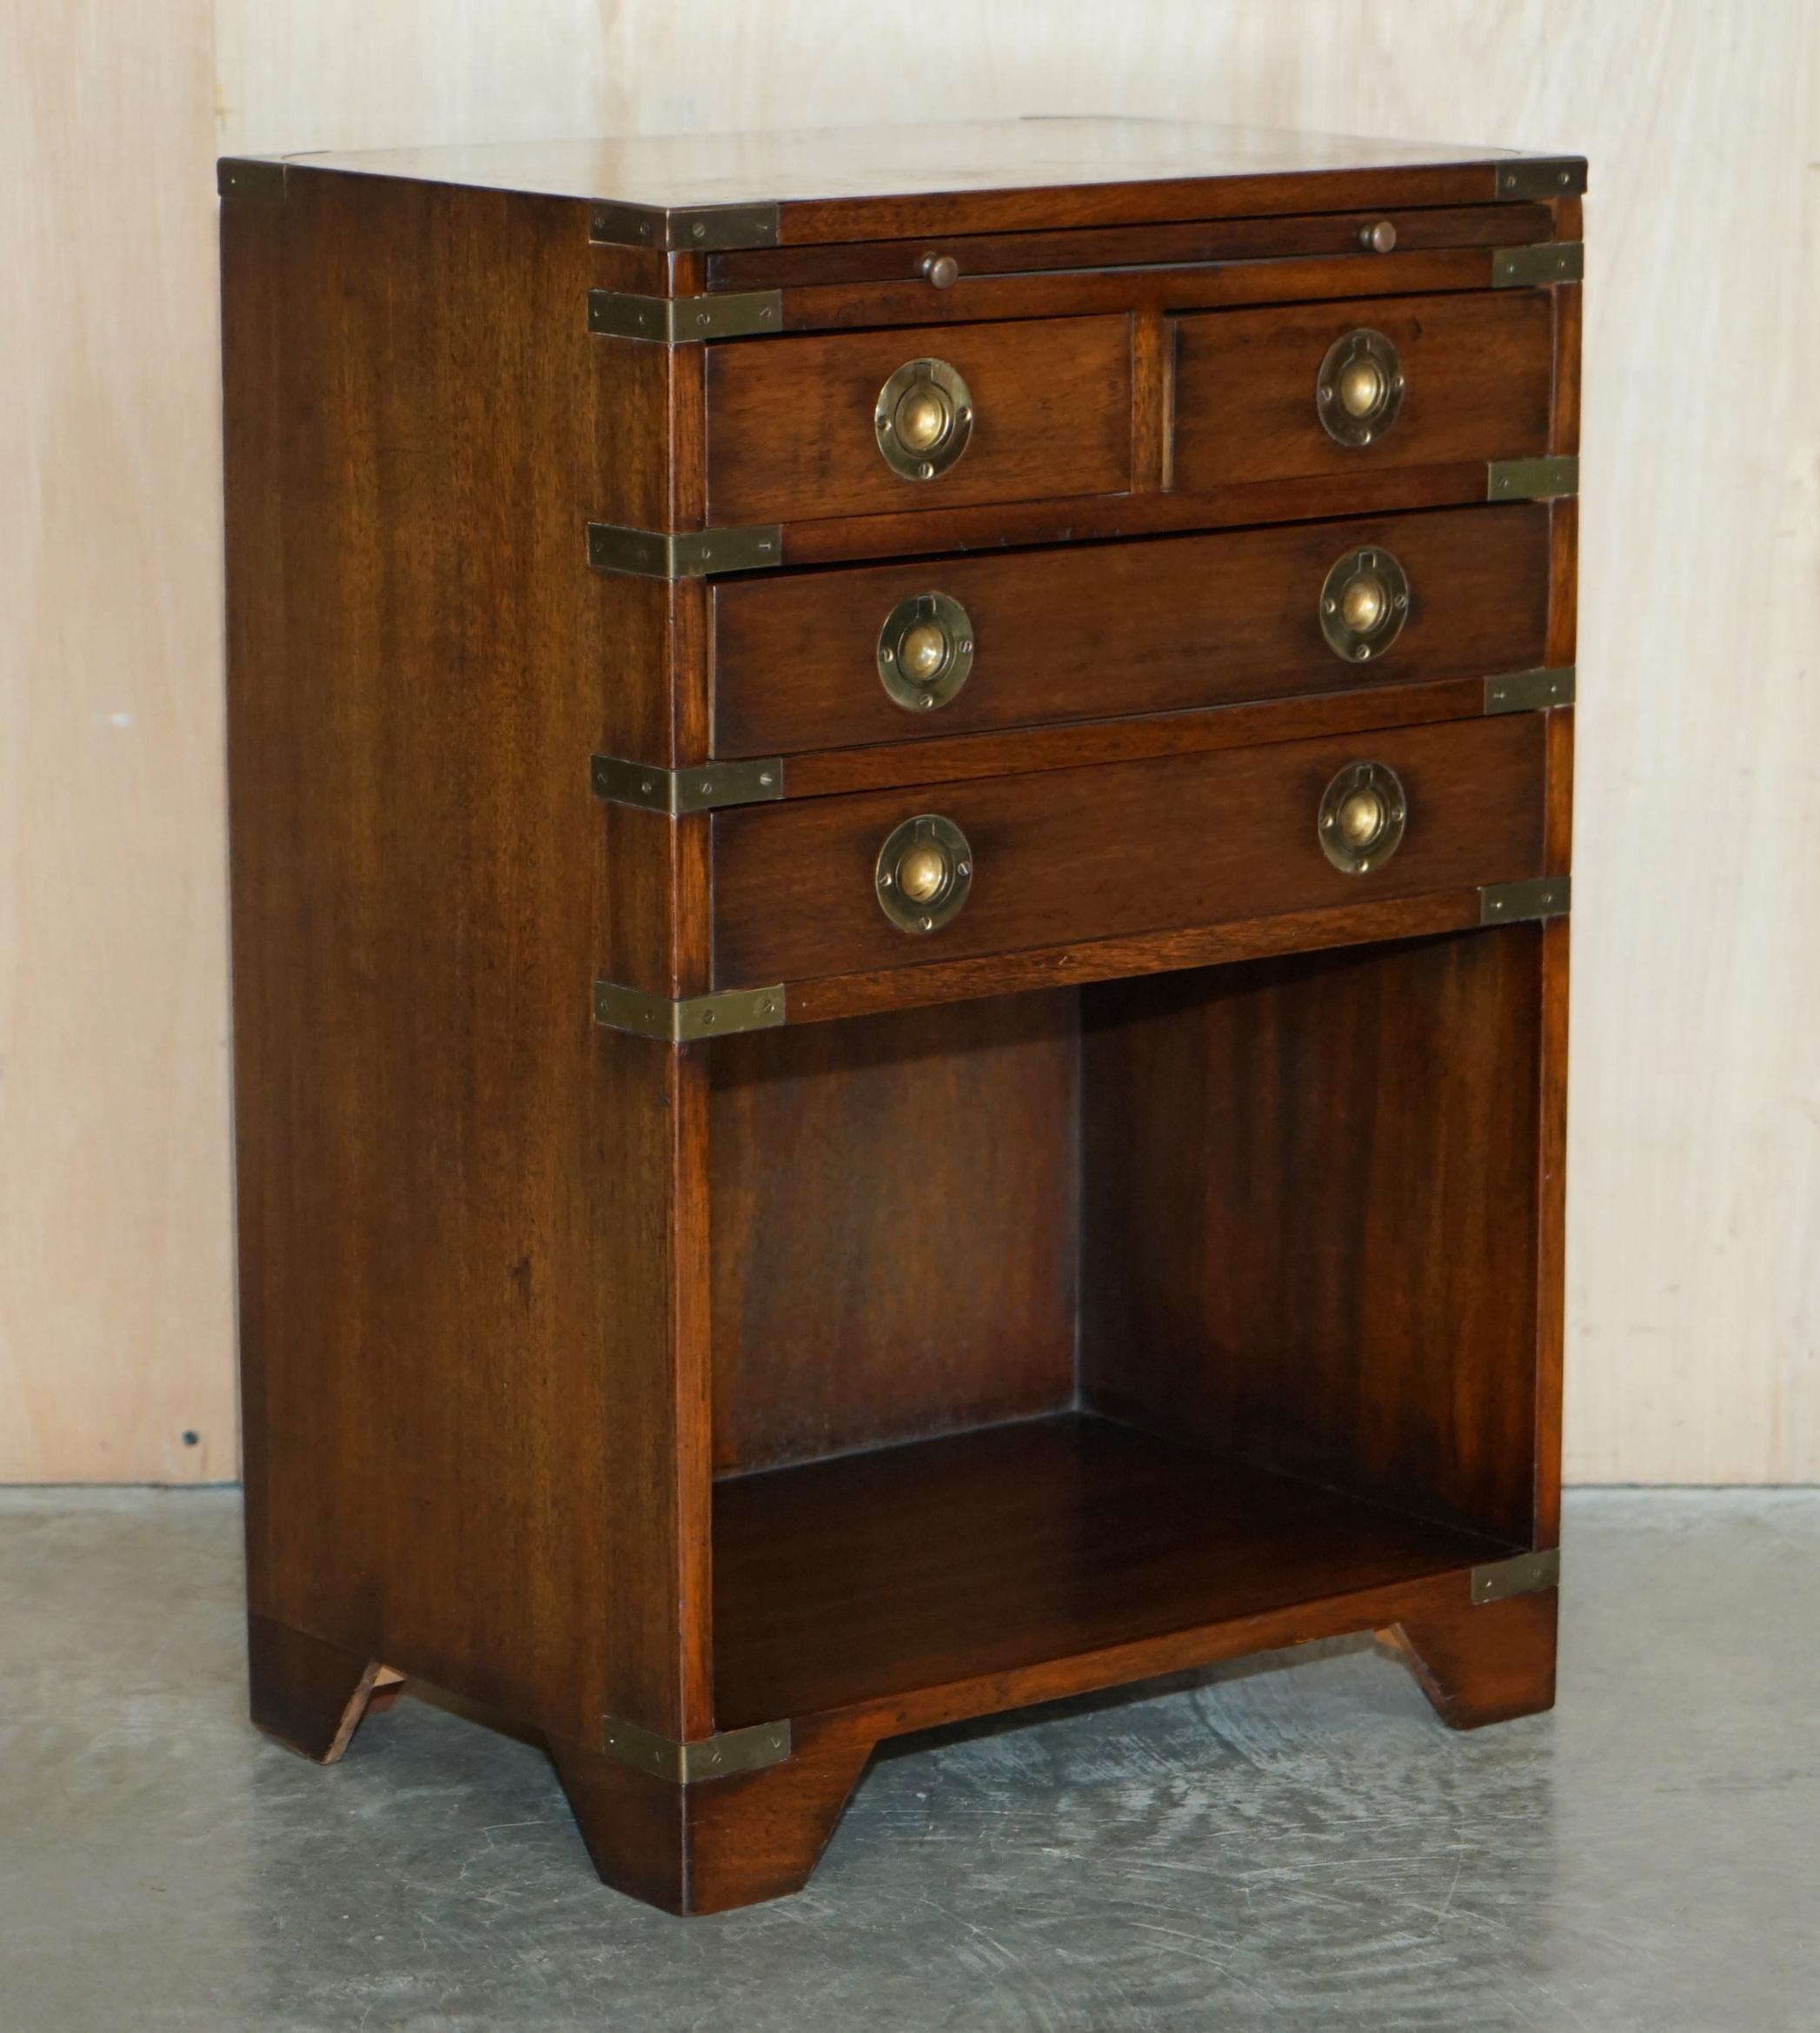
x,y
655,554
1549,261
1525,691
675,792
704,229
708,1758
674,321
1543,177
694,1017
260,176
1532,479
1527,1574
1510,903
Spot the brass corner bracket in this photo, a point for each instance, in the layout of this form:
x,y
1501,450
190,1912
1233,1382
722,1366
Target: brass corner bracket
x,y
1549,261
1511,903
260,176
690,1019
1525,691
655,553
1524,1574
704,229
1543,177
676,320
708,1758
675,792
1532,479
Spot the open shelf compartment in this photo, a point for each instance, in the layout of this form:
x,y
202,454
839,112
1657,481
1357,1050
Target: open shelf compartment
x,y
1012,1546
1077,1320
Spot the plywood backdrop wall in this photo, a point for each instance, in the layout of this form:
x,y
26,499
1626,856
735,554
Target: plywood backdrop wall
x,y
1695,1264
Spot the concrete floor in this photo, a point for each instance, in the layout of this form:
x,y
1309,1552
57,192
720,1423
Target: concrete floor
x,y
1262,1846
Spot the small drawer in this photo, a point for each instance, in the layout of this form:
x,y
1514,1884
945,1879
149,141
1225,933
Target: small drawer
x,y
851,657
1314,389
939,416
1011,863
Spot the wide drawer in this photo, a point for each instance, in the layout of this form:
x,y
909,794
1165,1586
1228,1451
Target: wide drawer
x,y
848,657
1079,855
1322,389
803,427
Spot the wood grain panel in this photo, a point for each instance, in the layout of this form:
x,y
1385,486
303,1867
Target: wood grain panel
x,y
1079,854
790,420
1479,374
472,1223
116,1343
893,1227
1109,629
1349,1294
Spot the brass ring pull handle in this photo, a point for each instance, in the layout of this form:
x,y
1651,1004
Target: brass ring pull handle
x,y
1362,815
925,870
926,650
1359,388
923,419
1365,602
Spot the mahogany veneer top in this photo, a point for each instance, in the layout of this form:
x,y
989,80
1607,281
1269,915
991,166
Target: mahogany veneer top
x,y
849,182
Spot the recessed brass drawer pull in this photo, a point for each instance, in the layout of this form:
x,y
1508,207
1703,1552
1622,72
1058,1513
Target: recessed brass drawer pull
x,y
1365,602
1362,816
1359,388
923,418
926,650
925,870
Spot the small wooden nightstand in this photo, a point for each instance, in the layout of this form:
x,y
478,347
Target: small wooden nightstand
x,y
900,846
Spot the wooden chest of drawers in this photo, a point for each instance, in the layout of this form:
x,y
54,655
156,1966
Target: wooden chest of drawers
x,y
900,846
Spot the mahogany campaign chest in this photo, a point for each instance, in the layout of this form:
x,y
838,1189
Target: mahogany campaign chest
x,y
901,814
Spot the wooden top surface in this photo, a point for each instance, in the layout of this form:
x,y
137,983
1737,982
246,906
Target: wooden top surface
x,y
839,183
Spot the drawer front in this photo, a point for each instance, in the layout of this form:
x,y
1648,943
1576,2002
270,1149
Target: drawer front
x,y
793,430
1477,378
812,661
1099,853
